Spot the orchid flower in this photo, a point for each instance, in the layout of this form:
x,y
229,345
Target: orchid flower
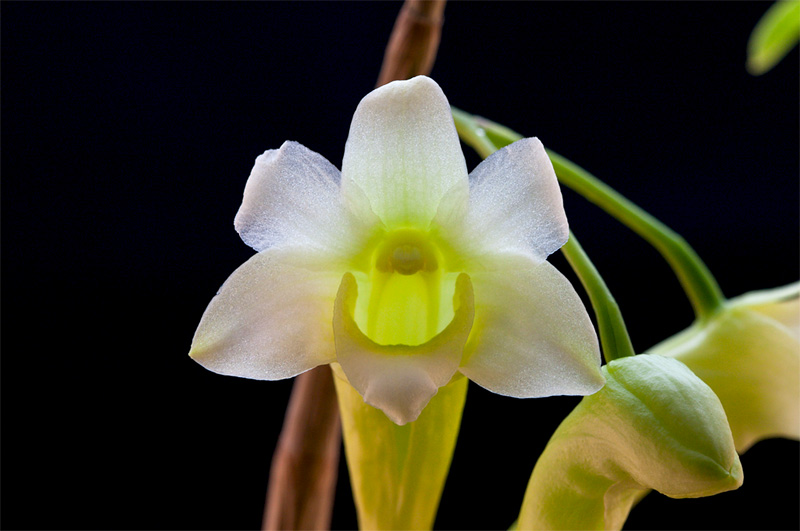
x,y
749,354
403,269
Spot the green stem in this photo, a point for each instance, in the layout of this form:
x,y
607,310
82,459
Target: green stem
x,y
699,284
613,334
697,281
473,134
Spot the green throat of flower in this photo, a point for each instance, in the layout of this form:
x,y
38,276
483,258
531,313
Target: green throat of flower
x,y
405,296
401,324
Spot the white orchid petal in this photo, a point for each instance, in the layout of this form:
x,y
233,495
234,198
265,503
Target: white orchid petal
x,y
400,380
270,320
293,197
403,152
515,206
532,336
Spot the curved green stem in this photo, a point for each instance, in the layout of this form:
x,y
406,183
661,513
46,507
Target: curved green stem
x,y
699,284
475,135
613,334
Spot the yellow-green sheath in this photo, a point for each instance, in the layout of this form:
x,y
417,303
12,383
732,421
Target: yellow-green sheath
x,y
398,472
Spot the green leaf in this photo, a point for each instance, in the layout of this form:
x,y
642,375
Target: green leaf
x,y
776,33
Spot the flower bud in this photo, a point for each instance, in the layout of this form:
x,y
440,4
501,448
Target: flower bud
x,y
655,425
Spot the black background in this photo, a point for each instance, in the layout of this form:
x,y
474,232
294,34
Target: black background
x,y
129,130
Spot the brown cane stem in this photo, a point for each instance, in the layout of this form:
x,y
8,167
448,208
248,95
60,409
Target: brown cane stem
x,y
302,479
414,41
304,467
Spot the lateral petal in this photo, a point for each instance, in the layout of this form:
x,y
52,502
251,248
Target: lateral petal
x,y
270,320
403,152
515,206
532,336
400,380
293,197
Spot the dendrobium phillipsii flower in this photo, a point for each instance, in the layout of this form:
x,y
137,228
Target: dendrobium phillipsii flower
x,y
403,269
749,354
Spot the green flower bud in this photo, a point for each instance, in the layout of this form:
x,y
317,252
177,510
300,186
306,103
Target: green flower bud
x,y
655,425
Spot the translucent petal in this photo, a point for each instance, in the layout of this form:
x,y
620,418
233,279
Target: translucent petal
x,y
515,206
532,336
270,320
400,379
403,152
293,196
